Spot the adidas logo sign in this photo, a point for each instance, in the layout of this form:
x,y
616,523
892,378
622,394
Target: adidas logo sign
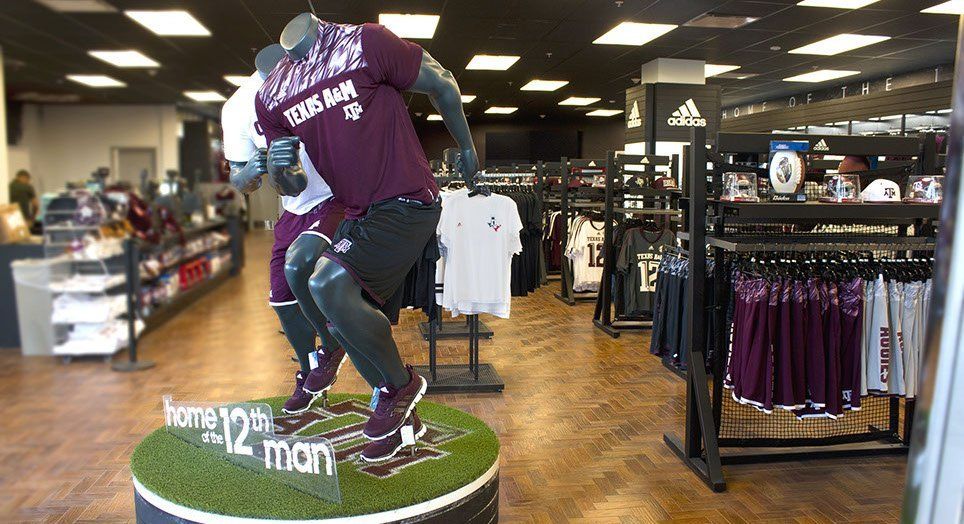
x,y
821,146
633,120
687,116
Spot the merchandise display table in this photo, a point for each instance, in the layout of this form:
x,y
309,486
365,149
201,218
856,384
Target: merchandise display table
x,y
453,475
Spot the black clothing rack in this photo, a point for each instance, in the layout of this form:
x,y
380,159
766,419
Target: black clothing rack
x,y
571,200
551,200
449,378
702,440
629,180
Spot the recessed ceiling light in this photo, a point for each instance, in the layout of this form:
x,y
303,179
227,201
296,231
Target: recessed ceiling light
x,y
543,85
821,75
604,112
837,4
467,98
944,111
634,33
96,80
496,110
492,62
237,80
717,69
169,23
129,58
434,118
579,101
205,96
78,6
838,44
953,7
891,117
409,26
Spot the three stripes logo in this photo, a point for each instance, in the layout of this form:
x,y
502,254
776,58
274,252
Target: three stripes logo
x,y
686,116
821,146
634,120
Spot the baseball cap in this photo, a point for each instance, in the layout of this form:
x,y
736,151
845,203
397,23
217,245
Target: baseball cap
x,y
665,182
881,190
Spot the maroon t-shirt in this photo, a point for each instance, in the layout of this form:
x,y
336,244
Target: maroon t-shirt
x,y
344,101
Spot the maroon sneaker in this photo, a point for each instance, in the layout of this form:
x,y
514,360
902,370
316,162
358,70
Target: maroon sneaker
x,y
323,377
394,406
300,400
388,447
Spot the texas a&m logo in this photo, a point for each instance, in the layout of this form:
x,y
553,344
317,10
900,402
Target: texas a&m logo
x,y
349,441
342,246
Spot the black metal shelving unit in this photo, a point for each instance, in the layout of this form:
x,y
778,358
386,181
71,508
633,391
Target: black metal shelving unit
x,y
710,225
629,193
571,201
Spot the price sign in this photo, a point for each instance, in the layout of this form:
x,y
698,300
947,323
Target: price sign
x,y
243,434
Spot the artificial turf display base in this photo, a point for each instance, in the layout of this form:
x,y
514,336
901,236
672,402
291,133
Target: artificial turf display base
x,y
456,451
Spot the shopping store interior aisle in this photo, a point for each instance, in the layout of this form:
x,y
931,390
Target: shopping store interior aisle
x,y
580,421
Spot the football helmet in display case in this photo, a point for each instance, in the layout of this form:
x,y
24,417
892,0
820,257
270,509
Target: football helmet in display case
x,y
841,188
740,187
925,189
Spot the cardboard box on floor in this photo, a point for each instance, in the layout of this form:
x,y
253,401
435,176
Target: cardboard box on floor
x,y
13,228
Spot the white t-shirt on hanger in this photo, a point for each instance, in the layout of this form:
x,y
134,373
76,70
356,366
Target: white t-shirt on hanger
x,y
478,236
586,253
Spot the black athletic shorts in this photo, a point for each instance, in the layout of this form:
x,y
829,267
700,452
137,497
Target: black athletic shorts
x,y
379,249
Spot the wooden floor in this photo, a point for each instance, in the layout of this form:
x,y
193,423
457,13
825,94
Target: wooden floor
x,y
580,421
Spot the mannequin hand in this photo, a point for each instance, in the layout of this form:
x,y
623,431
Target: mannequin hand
x,y
468,165
284,169
247,178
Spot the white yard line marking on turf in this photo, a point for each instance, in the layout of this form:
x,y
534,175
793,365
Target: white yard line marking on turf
x,y
385,516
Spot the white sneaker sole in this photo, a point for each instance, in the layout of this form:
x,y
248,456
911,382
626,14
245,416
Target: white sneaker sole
x,y
419,435
418,396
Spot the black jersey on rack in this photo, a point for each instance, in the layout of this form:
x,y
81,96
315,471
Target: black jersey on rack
x,y
638,260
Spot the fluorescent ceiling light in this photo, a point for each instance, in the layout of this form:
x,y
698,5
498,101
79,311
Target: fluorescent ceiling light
x,y
169,23
492,62
944,111
838,44
129,58
467,98
891,117
237,79
544,85
837,4
717,69
496,110
821,75
205,96
409,26
579,101
604,112
78,6
434,118
953,7
634,33
96,80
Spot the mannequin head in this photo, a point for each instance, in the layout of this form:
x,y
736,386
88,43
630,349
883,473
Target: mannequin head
x,y
299,35
267,58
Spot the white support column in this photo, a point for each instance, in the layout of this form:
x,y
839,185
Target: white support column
x,y
4,156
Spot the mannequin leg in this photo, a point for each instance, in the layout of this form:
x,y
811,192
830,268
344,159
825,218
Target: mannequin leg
x,y
353,318
298,331
300,262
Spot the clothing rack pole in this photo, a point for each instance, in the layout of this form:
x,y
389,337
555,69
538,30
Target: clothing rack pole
x,y
699,448
565,283
132,274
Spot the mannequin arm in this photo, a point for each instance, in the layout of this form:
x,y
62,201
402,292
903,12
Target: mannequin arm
x,y
442,89
284,167
246,177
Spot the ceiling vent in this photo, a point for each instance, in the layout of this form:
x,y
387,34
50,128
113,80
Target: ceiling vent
x,y
721,21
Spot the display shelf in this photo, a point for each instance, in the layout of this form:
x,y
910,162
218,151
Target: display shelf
x,y
825,211
184,298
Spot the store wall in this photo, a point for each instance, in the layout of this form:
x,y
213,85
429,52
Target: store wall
x,y
598,137
62,143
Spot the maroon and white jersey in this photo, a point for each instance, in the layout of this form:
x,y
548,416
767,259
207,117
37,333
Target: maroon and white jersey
x,y
344,101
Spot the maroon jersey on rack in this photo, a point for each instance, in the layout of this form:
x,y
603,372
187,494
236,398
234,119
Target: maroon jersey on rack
x,y
344,101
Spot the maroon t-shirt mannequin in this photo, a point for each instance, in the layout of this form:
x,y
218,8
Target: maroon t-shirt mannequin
x,y
344,101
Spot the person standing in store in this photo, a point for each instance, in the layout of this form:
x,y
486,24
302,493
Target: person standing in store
x,y
23,194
